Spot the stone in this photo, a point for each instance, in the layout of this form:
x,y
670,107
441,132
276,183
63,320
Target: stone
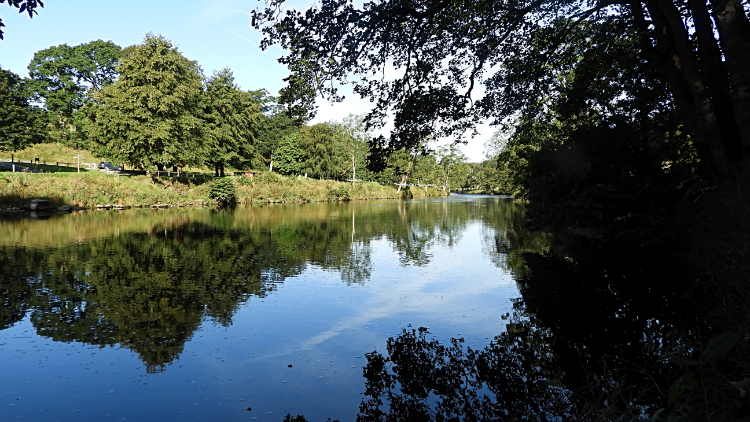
x,y
40,205
64,208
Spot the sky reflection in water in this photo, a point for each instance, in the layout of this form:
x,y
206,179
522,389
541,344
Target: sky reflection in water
x,y
425,263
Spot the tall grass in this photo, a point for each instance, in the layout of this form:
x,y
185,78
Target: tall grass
x,y
90,189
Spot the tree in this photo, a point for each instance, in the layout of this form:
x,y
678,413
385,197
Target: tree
x,y
322,158
444,49
451,161
28,6
150,117
269,132
20,122
354,142
62,77
289,154
231,118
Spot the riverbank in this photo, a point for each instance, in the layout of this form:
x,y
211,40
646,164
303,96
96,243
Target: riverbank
x,y
92,189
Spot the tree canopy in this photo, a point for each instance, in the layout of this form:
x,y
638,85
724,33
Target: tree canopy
x,y
63,75
231,118
20,122
441,51
151,116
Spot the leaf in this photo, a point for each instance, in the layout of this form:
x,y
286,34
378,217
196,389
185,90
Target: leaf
x,y
718,346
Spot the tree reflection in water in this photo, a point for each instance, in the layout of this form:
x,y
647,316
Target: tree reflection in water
x,y
598,334
609,335
146,280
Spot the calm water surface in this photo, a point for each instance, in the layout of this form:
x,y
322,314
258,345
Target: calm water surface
x,y
201,315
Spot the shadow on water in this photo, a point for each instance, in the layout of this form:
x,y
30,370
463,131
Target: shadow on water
x,y
610,334
600,334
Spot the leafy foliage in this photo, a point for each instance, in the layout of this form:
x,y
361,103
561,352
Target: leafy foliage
x,y
520,52
289,154
324,156
20,122
223,192
231,118
64,77
28,6
151,116
269,132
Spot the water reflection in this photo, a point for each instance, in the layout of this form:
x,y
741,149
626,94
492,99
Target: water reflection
x,y
600,334
145,280
584,339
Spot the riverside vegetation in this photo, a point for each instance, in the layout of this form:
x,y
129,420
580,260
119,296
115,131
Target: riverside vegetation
x,y
92,188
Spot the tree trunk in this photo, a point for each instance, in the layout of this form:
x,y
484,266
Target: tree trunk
x,y
734,36
667,21
714,73
404,177
661,56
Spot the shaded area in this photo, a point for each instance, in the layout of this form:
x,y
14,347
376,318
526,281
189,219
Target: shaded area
x,y
615,334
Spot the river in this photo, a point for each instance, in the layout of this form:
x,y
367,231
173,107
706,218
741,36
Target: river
x,y
146,315
444,306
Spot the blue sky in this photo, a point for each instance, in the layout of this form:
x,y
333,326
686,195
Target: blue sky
x,y
216,33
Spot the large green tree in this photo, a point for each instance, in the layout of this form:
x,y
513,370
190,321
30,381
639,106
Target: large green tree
x,y
20,122
452,163
150,117
442,50
270,131
323,156
231,118
62,77
289,154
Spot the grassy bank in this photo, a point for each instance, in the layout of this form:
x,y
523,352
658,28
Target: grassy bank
x,y
51,153
92,188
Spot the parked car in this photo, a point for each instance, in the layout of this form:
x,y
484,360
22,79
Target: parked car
x,y
110,166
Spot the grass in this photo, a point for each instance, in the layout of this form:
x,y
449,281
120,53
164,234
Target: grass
x,y
93,188
51,153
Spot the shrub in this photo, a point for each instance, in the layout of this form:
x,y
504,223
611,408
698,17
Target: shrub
x,y
222,191
340,193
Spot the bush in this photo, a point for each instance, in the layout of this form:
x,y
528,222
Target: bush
x,y
340,193
222,191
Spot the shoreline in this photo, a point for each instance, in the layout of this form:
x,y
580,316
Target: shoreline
x,y
64,193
